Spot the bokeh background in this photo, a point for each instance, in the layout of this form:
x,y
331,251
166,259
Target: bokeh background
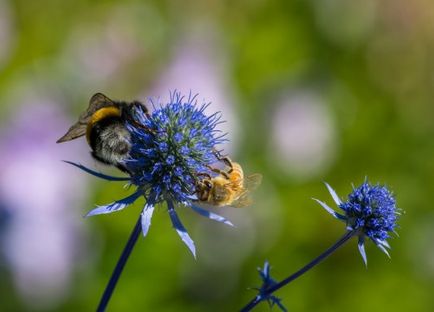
x,y
312,91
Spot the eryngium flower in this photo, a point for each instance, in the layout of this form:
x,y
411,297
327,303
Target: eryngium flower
x,y
267,282
370,211
175,144
169,148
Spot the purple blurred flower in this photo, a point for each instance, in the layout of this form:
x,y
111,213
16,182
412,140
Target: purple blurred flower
x,y
199,63
41,242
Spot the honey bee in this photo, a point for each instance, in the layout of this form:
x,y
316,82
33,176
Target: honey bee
x,y
104,124
229,188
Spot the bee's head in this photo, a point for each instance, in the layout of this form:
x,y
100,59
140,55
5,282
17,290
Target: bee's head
x,y
203,189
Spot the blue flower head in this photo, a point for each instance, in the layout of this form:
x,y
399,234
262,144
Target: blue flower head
x,y
174,144
168,149
267,282
370,211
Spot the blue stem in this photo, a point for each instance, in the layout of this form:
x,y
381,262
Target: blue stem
x,y
297,274
120,266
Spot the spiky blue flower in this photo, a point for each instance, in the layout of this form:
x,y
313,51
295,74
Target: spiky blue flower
x,y
169,148
370,211
267,282
174,144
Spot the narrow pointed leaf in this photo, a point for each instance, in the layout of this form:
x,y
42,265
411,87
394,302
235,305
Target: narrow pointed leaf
x,y
266,269
384,243
115,206
383,249
333,194
211,215
180,229
146,217
330,210
361,245
96,173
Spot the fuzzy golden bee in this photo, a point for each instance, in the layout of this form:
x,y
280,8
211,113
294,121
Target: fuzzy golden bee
x,y
229,188
103,123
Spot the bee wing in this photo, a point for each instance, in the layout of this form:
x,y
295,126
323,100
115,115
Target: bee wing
x,y
77,130
97,101
243,200
251,182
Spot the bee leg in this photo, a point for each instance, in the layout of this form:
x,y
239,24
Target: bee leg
x,y
219,171
228,163
218,154
136,124
225,159
131,119
207,175
143,106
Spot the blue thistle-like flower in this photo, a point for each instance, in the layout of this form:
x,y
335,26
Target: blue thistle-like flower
x,y
169,148
370,211
267,282
176,142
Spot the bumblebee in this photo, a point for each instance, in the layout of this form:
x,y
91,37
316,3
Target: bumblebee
x,y
104,124
229,188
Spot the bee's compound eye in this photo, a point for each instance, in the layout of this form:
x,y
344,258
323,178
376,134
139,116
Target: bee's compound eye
x,y
208,184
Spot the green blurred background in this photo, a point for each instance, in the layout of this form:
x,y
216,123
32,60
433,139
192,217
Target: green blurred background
x,y
312,91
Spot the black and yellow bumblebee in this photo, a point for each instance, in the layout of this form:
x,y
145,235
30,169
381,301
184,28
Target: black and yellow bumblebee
x,y
104,124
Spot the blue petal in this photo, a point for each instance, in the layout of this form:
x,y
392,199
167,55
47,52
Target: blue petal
x,y
330,210
361,245
97,174
333,194
211,215
182,232
146,217
115,206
